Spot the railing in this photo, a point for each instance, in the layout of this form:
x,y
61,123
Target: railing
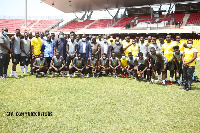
x,y
113,22
32,17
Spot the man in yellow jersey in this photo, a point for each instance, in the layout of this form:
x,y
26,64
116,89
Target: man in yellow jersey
x,y
36,45
168,50
189,56
126,46
124,65
181,45
134,48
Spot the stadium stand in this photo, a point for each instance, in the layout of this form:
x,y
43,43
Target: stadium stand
x,y
194,18
74,25
43,25
101,24
123,22
33,25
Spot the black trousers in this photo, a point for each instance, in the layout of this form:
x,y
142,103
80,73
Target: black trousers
x,y
187,75
4,62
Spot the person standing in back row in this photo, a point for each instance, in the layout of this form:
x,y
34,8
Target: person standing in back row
x,y
105,47
84,48
25,54
4,53
189,56
72,48
117,47
36,45
15,46
60,45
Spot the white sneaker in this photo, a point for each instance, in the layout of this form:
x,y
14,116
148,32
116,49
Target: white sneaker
x,y
88,75
42,74
11,75
67,73
63,74
70,76
53,74
74,74
16,77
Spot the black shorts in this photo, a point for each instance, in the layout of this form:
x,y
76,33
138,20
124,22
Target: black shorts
x,y
170,66
57,68
141,67
48,59
16,59
131,67
158,65
25,60
68,60
180,69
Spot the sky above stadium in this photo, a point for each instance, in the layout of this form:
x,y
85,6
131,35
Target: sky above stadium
x,y
37,8
16,8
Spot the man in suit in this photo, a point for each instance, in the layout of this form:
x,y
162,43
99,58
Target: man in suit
x,y
105,47
84,48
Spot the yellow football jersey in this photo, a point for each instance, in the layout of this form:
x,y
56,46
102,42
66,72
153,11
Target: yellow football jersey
x,y
189,53
124,62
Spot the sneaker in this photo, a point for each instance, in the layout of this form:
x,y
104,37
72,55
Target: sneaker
x,y
42,74
22,75
6,76
148,81
69,76
53,74
112,75
63,74
16,77
126,75
163,84
151,82
100,74
137,79
187,89
36,74
67,73
58,74
170,83
88,75
74,74
123,75
1,77
46,74
81,75
26,74
11,75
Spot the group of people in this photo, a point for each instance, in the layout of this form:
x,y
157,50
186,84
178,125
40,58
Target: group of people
x,y
140,58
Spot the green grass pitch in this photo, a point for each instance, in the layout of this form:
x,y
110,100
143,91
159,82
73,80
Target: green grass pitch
x,y
98,105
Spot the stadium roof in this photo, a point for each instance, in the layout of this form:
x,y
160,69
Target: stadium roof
x,y
69,6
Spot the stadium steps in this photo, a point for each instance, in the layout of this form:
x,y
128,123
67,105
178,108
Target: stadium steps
x,y
64,23
116,22
185,19
34,25
90,24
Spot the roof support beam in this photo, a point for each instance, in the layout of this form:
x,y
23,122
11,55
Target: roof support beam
x,y
109,13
